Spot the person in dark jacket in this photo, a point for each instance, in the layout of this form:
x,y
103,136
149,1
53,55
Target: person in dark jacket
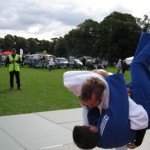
x,y
124,66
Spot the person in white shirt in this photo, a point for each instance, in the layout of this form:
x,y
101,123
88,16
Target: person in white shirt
x,y
51,63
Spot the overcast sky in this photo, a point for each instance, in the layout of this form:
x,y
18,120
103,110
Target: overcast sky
x,y
46,19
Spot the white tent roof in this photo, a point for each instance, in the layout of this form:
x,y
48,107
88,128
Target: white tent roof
x,y
129,60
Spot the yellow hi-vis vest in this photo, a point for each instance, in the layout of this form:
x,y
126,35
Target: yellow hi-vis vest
x,y
14,66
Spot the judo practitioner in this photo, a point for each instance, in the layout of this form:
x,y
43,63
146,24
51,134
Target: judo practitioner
x,y
104,99
140,85
140,77
74,81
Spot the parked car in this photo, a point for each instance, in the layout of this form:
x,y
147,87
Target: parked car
x,y
32,63
61,62
45,64
3,60
76,64
39,64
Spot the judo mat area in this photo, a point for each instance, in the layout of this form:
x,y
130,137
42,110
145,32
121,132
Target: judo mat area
x,y
51,130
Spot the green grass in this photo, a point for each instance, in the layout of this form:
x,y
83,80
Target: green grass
x,y
42,90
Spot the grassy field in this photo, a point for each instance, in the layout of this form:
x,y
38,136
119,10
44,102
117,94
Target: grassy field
x,y
42,90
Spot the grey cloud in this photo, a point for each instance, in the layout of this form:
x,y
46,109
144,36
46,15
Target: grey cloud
x,y
11,12
49,16
23,14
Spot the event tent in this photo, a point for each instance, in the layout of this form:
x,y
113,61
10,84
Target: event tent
x,y
6,53
129,60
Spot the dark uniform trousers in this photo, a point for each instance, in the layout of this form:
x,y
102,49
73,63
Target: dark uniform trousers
x,y
16,73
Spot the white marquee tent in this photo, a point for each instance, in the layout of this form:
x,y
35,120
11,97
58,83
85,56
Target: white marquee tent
x,y
129,60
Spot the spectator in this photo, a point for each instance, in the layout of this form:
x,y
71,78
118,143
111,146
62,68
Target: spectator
x,y
0,60
83,61
51,63
119,66
124,66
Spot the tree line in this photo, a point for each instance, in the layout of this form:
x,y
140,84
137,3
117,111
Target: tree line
x,y
114,38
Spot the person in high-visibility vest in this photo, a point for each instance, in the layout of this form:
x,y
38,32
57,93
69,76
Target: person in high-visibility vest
x,y
13,60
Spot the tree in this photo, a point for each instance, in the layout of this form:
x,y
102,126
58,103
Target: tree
x,y
114,38
8,42
118,35
60,48
73,42
52,45
2,45
144,23
80,41
32,45
21,43
44,45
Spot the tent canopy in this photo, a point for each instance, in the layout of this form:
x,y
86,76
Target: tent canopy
x,y
129,60
6,53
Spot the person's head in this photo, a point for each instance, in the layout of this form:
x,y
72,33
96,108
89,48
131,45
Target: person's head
x,y
13,51
92,92
86,137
